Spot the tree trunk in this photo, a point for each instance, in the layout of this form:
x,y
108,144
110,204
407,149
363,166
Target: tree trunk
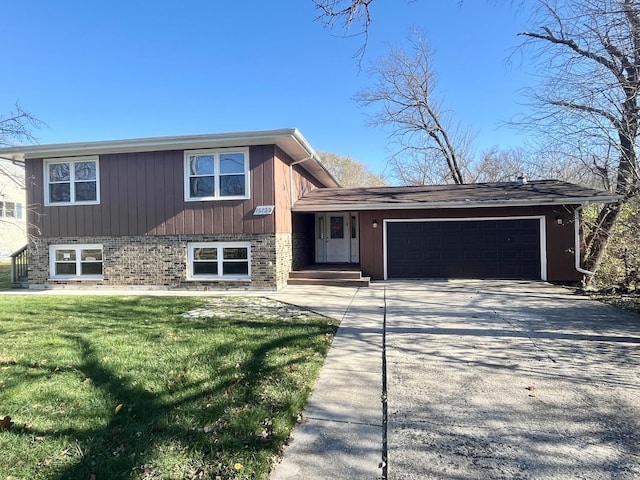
x,y
596,241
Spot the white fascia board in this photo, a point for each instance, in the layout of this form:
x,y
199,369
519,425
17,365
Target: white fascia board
x,y
320,172
288,139
337,207
185,142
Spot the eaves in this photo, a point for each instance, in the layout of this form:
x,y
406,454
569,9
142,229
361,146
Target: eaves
x,y
363,206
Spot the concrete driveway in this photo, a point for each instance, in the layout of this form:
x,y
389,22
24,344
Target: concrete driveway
x,y
485,379
510,380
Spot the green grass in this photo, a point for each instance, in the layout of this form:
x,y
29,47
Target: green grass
x,y
5,274
128,387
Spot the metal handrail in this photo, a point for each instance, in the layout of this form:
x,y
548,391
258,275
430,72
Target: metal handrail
x,y
19,265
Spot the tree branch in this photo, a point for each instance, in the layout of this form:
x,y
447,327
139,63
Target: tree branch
x,y
550,37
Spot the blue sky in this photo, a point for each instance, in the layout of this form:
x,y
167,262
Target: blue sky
x,y
130,69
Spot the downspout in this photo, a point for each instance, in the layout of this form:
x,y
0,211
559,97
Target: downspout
x,y
291,175
576,224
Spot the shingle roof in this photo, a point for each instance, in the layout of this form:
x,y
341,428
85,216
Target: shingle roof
x,y
538,192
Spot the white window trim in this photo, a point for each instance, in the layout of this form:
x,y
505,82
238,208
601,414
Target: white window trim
x,y
77,248
216,155
220,246
47,196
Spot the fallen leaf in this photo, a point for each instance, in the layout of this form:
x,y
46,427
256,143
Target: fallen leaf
x,y
5,423
118,408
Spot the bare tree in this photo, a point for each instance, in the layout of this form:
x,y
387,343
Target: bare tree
x,y
16,127
589,52
350,173
345,13
496,165
414,167
409,106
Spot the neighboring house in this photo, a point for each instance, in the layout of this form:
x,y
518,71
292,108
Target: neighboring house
x,y
245,209
13,223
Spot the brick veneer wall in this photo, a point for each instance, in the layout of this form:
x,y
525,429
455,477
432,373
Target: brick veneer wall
x,y
303,250
283,256
161,261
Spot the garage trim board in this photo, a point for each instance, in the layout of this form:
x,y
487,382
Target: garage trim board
x,y
540,219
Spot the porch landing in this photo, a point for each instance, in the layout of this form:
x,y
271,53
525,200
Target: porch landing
x,y
329,274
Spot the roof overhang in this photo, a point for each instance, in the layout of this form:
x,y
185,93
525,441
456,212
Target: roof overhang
x,y
364,206
290,140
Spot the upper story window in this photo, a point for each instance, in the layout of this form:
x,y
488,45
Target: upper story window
x,y
72,181
221,174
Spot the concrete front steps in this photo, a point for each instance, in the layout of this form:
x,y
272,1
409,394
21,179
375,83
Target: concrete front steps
x,y
328,278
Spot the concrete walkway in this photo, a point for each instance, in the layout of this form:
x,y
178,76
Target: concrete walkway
x,y
341,437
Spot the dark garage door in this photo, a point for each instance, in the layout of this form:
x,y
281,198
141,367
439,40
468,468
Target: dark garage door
x,y
508,249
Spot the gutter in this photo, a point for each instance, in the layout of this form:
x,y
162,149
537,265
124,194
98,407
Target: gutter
x,y
576,225
357,206
184,142
291,176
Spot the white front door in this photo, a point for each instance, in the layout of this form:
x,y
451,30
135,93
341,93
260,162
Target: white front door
x,y
338,237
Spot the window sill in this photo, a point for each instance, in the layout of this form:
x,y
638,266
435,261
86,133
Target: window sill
x,y
214,199
69,204
76,278
218,279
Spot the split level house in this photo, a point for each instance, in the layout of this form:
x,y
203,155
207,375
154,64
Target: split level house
x,y
250,209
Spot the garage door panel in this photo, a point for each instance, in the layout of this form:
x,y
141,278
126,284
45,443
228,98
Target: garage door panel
x,y
464,249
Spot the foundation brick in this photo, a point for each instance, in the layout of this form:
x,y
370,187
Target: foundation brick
x,y
161,261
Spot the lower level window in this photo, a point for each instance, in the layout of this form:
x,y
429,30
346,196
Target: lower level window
x,y
213,260
76,261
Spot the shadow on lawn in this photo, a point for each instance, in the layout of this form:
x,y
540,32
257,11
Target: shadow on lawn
x,y
125,446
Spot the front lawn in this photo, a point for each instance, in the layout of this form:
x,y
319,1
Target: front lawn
x,y
152,387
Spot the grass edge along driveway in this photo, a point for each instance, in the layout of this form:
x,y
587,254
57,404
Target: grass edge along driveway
x,y
152,387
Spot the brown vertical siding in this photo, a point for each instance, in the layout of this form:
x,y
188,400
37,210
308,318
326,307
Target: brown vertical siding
x,y
143,194
282,184
560,244
560,238
303,182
